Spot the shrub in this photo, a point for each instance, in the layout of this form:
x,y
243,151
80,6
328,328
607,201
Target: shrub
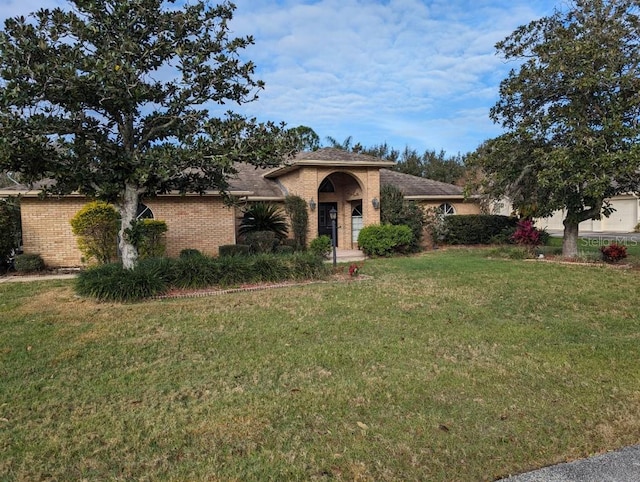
x,y
384,239
111,282
264,217
195,271
147,235
296,209
189,252
235,270
613,253
308,266
96,226
28,263
321,246
285,249
234,250
527,235
9,228
474,228
269,267
394,209
261,241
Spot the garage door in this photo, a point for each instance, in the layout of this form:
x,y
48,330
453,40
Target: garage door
x,y
624,218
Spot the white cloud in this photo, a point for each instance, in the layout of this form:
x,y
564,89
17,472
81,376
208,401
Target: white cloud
x,y
417,72
409,71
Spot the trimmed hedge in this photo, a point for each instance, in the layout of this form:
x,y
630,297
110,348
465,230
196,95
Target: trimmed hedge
x,y
234,250
385,239
28,263
475,228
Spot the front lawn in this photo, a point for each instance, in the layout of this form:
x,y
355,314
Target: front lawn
x,y
442,367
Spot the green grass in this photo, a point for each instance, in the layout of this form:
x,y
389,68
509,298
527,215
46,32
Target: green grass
x,y
591,247
448,366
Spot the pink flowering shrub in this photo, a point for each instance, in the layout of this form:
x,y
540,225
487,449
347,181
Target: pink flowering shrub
x,y
614,252
527,234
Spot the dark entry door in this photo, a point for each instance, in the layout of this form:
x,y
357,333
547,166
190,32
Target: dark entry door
x,y
324,220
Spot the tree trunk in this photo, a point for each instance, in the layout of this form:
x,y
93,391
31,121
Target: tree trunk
x,y
570,239
128,208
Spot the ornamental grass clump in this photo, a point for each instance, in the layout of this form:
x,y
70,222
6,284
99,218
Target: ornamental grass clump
x,y
111,282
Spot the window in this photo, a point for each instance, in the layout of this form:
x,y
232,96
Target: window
x,y
446,209
326,186
143,212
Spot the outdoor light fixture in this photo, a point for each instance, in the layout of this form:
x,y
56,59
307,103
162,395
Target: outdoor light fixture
x,y
312,205
375,203
333,215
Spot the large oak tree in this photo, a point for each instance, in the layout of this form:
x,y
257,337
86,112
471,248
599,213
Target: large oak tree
x,y
571,111
110,98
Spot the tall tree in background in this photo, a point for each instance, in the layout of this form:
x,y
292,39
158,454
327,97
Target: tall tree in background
x,y
110,99
437,166
572,113
306,138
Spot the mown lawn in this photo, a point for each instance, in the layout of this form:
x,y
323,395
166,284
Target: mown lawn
x,y
447,366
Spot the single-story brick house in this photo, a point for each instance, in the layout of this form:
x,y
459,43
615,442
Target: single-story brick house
x,y
326,178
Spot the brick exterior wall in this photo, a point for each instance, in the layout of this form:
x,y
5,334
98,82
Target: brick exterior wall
x,y
203,223
354,184
46,229
199,222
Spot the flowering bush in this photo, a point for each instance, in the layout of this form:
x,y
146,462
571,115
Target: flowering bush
x,y
527,234
614,252
354,269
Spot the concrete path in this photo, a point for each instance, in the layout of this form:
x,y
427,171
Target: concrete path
x,y
40,277
619,466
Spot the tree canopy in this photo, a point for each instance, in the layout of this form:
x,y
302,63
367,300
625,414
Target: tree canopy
x,y
571,112
111,99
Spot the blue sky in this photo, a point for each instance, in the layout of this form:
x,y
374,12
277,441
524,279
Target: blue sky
x,y
415,73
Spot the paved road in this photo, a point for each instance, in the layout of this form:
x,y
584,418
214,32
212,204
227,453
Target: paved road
x,y
607,235
619,466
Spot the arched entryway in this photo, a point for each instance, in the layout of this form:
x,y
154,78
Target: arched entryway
x,y
341,191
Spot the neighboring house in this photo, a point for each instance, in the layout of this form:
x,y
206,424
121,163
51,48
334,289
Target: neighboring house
x,y
327,178
623,219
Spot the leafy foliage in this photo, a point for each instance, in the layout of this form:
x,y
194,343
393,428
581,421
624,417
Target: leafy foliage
x,y
83,103
111,282
438,166
9,228
571,111
96,226
261,241
147,235
321,246
29,263
296,209
306,138
234,250
394,209
474,228
526,234
264,217
613,252
385,239
155,276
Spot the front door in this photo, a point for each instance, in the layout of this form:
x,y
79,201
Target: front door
x,y
324,220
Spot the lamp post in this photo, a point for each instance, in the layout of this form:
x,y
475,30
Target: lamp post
x,y
333,214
